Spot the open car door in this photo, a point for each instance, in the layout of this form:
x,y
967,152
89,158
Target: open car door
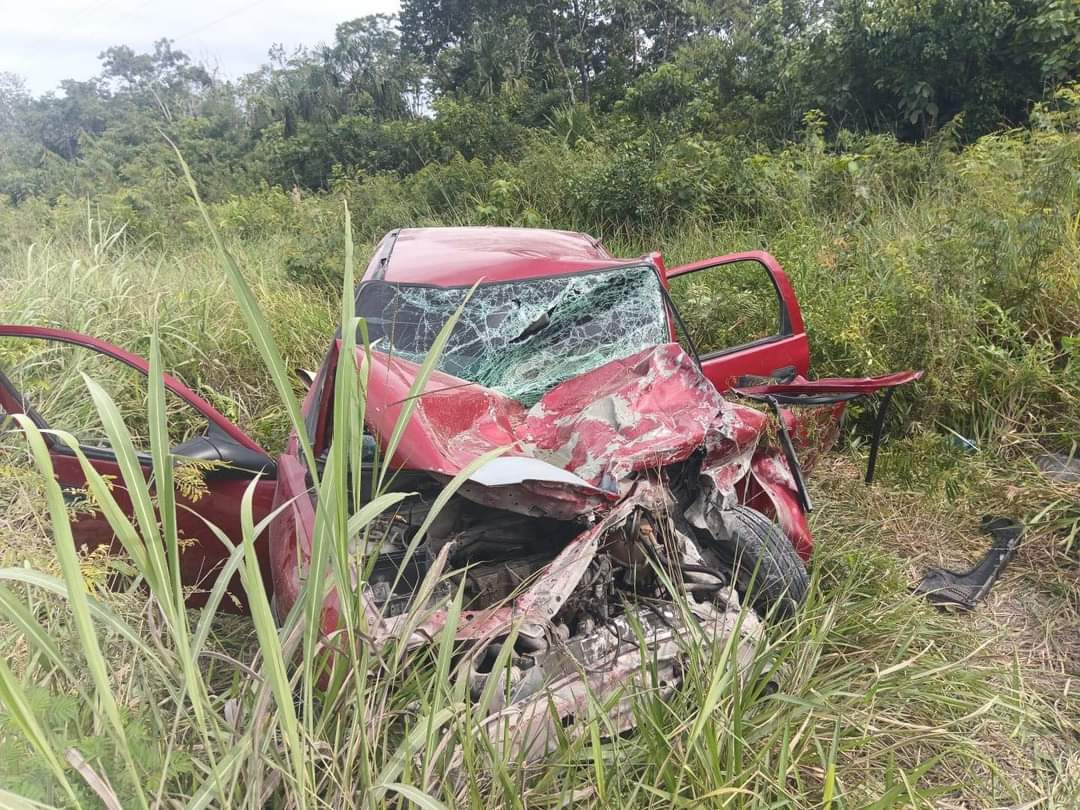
x,y
740,314
41,375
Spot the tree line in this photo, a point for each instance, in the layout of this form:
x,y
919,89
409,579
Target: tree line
x,y
483,78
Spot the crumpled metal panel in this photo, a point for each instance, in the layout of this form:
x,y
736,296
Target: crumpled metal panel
x,y
640,412
644,411
614,662
544,597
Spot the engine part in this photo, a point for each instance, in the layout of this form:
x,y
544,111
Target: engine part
x,y
490,582
394,580
621,657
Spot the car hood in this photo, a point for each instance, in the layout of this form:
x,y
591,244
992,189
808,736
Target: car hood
x,y
575,450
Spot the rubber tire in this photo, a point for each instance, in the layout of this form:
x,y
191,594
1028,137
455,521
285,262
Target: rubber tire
x,y
764,563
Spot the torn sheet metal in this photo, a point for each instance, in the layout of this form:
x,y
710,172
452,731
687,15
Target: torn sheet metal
x,y
645,411
541,600
618,661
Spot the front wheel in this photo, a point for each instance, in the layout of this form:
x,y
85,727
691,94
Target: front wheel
x,y
768,572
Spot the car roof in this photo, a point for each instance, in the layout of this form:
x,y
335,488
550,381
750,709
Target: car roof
x,y
460,256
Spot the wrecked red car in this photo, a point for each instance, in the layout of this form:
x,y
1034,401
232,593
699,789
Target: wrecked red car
x,y
635,462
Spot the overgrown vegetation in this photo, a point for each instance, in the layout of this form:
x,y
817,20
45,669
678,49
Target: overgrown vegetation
x,y
914,166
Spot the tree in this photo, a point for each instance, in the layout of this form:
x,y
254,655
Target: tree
x,y
912,64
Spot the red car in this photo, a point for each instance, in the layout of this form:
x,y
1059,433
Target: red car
x,y
631,465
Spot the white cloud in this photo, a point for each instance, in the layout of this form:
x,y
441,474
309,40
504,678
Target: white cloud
x,y
50,40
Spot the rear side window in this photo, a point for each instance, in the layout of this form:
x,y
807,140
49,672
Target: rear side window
x,y
48,376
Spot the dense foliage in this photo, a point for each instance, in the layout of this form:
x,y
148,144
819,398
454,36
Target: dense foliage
x,y
867,144
483,79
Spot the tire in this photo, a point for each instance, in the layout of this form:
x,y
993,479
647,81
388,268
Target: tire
x,y
768,572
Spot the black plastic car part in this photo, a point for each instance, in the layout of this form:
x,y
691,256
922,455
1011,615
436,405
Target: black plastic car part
x,y
964,589
789,454
235,459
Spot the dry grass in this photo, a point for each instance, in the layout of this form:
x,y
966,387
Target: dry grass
x,y
1024,639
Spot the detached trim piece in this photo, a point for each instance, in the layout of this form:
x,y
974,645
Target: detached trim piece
x,y
963,590
879,426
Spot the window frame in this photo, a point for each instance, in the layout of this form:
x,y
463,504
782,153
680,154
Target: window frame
x,y
790,319
49,335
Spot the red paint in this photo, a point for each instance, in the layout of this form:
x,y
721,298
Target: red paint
x,y
790,349
611,427
290,532
641,412
219,506
773,478
454,257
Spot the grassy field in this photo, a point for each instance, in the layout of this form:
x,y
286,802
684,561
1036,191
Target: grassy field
x,y
882,701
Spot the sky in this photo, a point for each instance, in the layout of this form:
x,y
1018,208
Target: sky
x,y
45,41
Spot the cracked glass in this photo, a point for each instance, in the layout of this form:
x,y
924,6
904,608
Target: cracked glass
x,y
521,338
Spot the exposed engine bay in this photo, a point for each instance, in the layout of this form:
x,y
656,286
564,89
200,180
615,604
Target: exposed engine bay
x,y
605,610
581,551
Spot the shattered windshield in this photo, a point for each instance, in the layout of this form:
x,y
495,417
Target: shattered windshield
x,y
521,338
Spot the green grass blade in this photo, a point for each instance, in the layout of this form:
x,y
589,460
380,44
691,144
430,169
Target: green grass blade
x,y
163,471
270,645
258,328
228,569
127,459
227,768
102,614
160,445
9,801
419,384
17,707
409,745
36,635
118,521
415,795
77,598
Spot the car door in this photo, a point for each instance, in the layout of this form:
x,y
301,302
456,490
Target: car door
x,y
41,375
291,530
741,315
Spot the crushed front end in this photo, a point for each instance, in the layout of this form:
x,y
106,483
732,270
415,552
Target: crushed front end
x,y
606,534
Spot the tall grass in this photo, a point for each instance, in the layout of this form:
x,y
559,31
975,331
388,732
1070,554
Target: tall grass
x,y
104,286
127,698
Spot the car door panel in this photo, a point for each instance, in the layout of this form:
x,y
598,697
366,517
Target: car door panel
x,y
218,504
786,352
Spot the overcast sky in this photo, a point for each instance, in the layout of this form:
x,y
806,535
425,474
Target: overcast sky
x,y
45,41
